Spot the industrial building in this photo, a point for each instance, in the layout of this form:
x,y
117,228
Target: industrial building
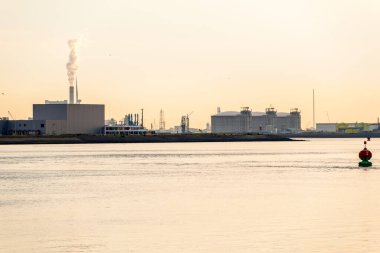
x,y
130,126
71,118
347,127
326,127
247,121
57,119
3,125
60,117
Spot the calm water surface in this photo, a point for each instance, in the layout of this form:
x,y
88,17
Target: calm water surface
x,y
190,197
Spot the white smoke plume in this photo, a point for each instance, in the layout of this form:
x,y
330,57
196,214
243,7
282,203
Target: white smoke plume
x,y
72,66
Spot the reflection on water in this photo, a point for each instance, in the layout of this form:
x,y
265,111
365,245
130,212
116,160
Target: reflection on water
x,y
190,197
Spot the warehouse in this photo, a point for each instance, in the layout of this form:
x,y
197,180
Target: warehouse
x,y
247,121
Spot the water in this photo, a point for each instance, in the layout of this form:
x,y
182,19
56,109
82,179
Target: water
x,y
190,197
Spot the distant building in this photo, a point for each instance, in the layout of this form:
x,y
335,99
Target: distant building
x,y
55,101
326,127
247,121
374,127
208,127
123,130
131,125
57,119
4,121
347,127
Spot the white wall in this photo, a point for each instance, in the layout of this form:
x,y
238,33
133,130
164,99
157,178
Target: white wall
x,y
326,127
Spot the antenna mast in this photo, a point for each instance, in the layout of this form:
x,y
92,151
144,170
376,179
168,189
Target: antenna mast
x,y
313,112
142,117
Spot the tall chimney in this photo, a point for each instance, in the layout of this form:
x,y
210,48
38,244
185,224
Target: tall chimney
x,y
76,91
72,67
71,90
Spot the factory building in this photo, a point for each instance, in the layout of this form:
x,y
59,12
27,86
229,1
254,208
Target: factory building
x,y
326,127
60,117
57,119
247,121
71,118
130,126
3,125
347,127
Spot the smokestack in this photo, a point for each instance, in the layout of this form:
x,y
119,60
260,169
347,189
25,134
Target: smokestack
x,y
72,67
78,101
76,90
71,91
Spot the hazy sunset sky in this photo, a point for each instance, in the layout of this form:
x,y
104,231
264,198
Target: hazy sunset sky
x,y
184,56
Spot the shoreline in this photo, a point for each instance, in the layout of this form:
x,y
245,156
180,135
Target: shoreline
x,y
333,135
168,138
174,138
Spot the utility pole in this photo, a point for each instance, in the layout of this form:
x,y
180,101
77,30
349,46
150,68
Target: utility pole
x,y
142,117
314,127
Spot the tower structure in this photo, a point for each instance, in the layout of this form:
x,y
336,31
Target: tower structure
x,y
184,124
162,120
71,94
78,101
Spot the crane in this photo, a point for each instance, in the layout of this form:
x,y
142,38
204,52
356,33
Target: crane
x,y
185,123
10,114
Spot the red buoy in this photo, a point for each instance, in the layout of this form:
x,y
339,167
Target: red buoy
x,y
365,155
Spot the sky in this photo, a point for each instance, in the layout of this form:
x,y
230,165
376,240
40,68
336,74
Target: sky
x,y
194,56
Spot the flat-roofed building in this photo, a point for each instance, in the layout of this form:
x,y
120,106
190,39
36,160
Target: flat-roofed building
x,y
71,118
232,122
58,119
247,121
326,127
